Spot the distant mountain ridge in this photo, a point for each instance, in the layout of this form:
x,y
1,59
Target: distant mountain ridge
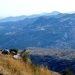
x,y
55,31
8,19
17,18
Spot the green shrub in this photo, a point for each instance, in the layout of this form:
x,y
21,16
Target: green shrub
x,y
13,50
24,55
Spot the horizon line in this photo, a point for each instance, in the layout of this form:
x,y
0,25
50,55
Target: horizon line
x,y
70,12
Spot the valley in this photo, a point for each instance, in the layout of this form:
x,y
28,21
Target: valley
x,y
55,59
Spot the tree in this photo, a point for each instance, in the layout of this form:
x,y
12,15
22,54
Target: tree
x,y
67,71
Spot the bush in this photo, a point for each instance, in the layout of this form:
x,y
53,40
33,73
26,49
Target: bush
x,y
13,51
24,55
67,71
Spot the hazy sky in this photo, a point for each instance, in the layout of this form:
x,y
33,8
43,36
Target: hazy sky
x,y
28,7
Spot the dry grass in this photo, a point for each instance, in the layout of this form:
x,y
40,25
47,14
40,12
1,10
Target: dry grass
x,y
11,66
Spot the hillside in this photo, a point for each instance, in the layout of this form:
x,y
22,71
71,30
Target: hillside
x,y
55,31
11,66
55,59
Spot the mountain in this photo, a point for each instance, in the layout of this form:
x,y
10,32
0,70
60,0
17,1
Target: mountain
x,y
52,13
17,18
44,31
71,12
8,19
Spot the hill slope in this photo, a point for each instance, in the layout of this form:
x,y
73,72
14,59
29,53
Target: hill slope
x,y
10,66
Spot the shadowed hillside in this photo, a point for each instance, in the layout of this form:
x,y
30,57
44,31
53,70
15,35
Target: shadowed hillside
x,y
55,59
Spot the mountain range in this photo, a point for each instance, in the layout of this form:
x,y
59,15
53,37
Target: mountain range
x,y
17,18
47,31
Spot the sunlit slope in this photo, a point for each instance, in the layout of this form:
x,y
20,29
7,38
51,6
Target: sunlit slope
x,y
11,66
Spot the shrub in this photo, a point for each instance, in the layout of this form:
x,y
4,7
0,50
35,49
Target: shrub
x,y
14,51
67,71
4,52
24,55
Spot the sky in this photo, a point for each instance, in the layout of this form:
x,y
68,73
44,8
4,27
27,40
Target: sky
x,y
29,7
